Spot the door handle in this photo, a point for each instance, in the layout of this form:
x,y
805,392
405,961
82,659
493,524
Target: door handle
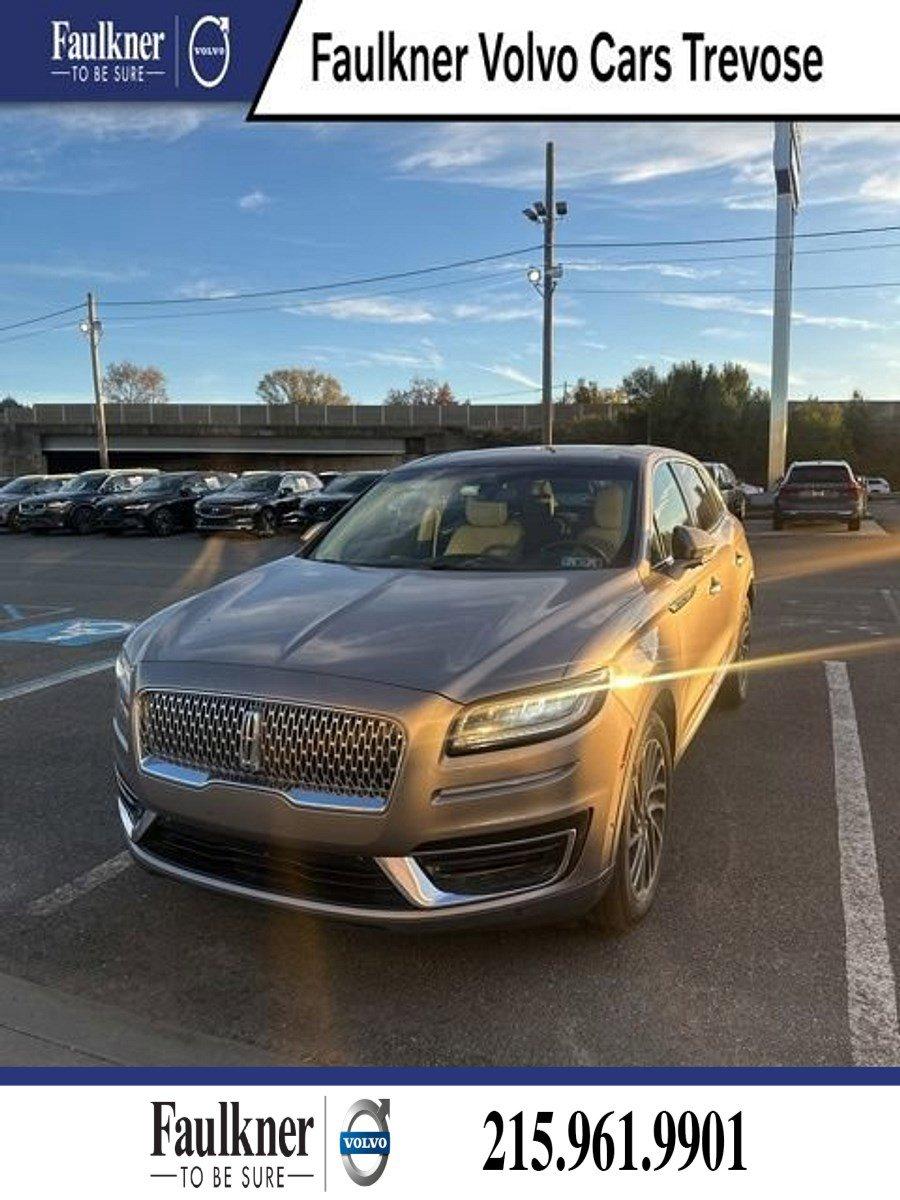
x,y
715,586
680,601
738,559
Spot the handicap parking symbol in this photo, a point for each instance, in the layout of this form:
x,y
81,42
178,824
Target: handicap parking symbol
x,y
77,631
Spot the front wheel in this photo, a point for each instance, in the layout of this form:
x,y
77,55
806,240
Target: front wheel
x,y
13,522
83,521
265,523
639,855
162,523
733,691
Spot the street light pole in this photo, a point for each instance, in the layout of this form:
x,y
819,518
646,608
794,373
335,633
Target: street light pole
x,y
92,328
549,288
546,212
786,161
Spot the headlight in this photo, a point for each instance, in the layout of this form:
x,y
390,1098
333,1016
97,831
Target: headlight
x,y
124,676
528,716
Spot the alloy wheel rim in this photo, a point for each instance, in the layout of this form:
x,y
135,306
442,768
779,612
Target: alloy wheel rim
x,y
647,818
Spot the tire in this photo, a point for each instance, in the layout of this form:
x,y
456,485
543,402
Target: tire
x,y
13,522
162,523
734,687
853,524
83,521
266,523
632,889
778,522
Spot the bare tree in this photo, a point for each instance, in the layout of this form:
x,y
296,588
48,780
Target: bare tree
x,y
127,383
422,391
300,385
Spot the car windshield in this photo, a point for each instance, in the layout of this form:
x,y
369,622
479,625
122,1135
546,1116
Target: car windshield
x,y
824,473
492,518
17,486
161,483
254,483
83,483
349,485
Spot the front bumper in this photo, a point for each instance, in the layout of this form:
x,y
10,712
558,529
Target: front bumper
x,y
524,832
233,522
124,521
47,518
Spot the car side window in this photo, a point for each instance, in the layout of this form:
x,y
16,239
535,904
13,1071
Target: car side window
x,y
703,501
669,510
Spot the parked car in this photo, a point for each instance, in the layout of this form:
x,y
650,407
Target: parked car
x,y
462,701
20,488
877,486
819,491
335,497
161,505
257,502
729,485
74,505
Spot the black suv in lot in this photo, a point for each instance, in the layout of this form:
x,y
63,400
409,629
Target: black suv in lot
x,y
820,491
161,505
335,497
20,488
74,506
258,502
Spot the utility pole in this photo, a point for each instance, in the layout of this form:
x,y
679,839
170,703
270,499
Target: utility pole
x,y
547,212
786,161
93,328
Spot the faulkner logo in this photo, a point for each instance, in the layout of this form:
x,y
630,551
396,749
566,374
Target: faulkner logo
x,y
272,1144
104,53
374,1144
209,50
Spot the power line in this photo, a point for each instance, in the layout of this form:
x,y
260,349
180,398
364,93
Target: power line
x,y
759,254
17,337
323,287
60,312
724,241
731,291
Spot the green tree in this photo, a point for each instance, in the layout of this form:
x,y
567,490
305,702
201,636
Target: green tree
x,y
300,385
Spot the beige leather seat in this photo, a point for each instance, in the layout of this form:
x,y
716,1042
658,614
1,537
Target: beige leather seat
x,y
486,526
607,529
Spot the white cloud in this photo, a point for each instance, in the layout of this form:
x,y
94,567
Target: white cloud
x,y
104,122
204,289
370,308
752,308
510,373
254,201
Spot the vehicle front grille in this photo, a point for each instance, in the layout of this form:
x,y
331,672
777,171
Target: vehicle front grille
x,y
346,879
287,746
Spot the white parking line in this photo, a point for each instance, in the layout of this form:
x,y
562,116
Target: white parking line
x,y
44,906
891,601
48,681
871,986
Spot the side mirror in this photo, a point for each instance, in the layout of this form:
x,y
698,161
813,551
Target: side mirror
x,y
691,546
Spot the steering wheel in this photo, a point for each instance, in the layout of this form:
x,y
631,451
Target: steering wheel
x,y
574,545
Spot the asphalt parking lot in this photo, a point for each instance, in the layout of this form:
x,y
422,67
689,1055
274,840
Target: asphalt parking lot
x,y
764,946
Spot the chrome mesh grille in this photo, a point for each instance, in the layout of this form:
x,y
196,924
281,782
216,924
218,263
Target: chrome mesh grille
x,y
299,746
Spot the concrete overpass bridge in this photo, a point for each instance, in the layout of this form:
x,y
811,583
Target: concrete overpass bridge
x,y
63,437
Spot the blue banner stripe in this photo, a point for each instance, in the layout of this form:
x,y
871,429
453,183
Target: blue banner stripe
x,y
368,1077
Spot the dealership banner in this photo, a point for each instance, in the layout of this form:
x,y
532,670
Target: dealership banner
x,y
447,1133
337,59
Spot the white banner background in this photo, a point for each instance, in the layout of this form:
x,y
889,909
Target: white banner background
x,y
97,1141
858,45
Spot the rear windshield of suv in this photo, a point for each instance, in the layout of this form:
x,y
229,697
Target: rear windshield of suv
x,y
823,473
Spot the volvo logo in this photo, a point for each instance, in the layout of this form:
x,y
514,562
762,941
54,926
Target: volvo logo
x,y
249,744
370,1139
209,50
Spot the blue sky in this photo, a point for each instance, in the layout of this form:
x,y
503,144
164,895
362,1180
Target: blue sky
x,y
175,202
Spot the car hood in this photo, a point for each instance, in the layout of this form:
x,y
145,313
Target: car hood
x,y
235,498
462,634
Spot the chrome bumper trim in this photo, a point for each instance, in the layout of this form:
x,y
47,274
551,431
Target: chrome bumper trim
x,y
192,777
